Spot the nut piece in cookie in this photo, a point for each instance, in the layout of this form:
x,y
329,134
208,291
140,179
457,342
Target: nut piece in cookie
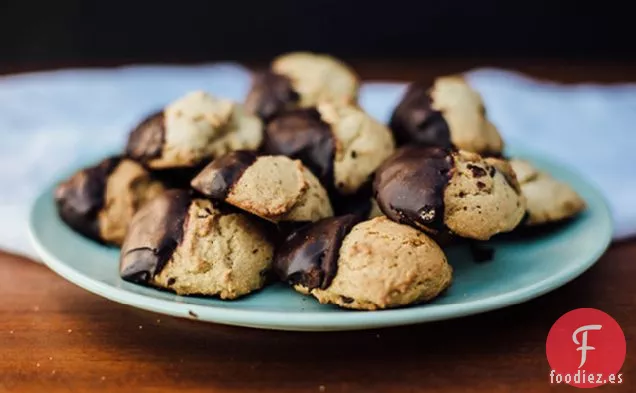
x,y
448,113
191,247
275,188
192,130
548,200
444,191
301,80
341,144
100,201
366,265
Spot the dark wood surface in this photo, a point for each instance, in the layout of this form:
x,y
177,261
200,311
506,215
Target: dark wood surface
x,y
55,337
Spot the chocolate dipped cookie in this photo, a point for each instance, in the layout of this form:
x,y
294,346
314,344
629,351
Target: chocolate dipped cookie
x,y
447,113
442,191
192,247
341,144
192,131
301,80
275,188
365,265
100,201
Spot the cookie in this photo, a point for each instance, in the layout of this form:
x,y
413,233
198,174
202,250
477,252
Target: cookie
x,y
447,113
191,247
100,201
341,144
301,80
271,94
449,191
193,130
275,188
548,200
365,265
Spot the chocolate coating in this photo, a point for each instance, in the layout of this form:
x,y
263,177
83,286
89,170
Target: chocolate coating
x,y
409,186
80,198
156,231
415,121
218,177
270,94
358,203
177,177
283,229
146,141
309,256
302,134
357,206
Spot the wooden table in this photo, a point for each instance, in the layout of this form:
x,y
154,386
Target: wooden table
x,y
55,337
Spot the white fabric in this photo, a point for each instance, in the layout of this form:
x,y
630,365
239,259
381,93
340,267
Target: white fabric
x,y
52,121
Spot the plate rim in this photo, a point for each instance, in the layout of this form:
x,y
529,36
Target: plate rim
x,y
344,319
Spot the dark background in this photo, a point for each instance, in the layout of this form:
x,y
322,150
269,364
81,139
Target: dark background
x,y
93,31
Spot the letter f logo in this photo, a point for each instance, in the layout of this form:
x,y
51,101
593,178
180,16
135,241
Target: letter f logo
x,y
583,344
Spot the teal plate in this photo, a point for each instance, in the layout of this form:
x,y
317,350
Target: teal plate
x,y
523,268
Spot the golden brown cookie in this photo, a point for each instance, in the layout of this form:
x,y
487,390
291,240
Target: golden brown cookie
x,y
447,113
366,265
275,188
192,130
341,144
301,80
191,247
447,191
548,200
100,201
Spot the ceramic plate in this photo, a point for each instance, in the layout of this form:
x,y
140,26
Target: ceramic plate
x,y
523,268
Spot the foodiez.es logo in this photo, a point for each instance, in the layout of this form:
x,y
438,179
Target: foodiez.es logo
x,y
586,348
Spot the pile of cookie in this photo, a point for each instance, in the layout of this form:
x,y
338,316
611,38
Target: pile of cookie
x,y
298,184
